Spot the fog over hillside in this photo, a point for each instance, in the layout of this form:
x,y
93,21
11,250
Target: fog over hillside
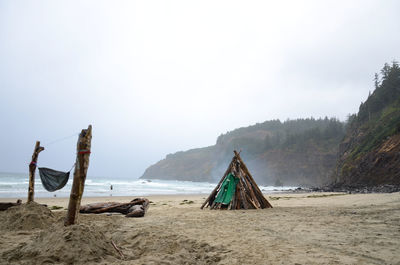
x,y
295,152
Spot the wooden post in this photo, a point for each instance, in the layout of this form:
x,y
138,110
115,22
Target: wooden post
x,y
32,169
81,167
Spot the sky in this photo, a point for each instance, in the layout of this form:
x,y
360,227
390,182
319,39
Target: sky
x,y
157,77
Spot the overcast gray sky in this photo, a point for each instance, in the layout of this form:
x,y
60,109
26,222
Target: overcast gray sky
x,y
156,77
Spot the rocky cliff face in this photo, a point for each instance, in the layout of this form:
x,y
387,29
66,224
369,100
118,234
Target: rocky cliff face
x,y
369,155
377,165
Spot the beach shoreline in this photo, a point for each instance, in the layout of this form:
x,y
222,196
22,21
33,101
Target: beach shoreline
x,y
302,228
278,199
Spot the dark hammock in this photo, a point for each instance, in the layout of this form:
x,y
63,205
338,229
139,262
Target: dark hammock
x,y
53,180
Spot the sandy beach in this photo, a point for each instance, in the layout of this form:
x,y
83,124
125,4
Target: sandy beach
x,y
302,228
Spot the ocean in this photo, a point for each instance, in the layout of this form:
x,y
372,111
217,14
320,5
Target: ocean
x,y
15,185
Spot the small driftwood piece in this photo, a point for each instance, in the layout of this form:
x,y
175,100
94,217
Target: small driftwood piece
x,y
134,208
5,205
117,249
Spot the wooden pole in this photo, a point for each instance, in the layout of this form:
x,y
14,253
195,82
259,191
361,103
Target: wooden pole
x,y
81,167
32,170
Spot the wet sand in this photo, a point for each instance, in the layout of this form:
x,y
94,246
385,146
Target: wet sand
x,y
304,228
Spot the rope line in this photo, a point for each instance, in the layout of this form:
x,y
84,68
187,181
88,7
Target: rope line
x,y
72,167
60,139
84,151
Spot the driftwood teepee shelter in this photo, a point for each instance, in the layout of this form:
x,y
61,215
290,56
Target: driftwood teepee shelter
x,y
237,189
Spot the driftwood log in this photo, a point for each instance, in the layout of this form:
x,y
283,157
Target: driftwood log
x,y
5,205
134,208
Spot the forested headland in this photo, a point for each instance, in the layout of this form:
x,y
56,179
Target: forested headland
x,y
293,152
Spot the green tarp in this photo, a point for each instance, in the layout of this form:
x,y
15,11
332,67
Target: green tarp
x,y
227,190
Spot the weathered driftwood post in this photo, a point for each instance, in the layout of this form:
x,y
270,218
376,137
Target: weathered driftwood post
x,y
32,169
81,167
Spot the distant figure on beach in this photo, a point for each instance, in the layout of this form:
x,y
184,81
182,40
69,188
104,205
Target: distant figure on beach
x,y
111,188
